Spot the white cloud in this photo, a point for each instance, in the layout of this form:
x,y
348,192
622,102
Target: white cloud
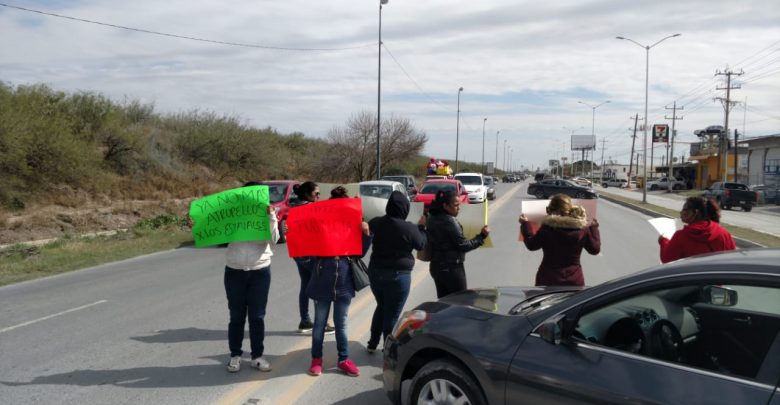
x,y
523,65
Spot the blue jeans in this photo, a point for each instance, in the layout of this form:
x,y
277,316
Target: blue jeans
x,y
390,289
247,292
321,311
305,265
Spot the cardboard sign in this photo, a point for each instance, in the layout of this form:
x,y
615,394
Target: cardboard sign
x,y
240,214
473,217
325,228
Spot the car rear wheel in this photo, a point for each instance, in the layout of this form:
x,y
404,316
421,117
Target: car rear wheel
x,y
747,207
676,187
282,239
539,194
579,195
653,187
444,382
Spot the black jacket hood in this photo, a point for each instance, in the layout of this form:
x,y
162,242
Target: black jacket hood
x,y
397,206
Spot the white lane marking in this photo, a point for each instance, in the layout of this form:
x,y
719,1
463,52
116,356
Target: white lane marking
x,y
51,316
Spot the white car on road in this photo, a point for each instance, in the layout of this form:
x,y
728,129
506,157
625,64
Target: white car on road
x,y
663,184
475,185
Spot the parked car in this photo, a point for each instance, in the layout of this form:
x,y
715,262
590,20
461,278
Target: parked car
x,y
663,184
475,184
620,183
407,180
767,194
730,194
490,183
280,194
582,181
701,330
431,187
546,188
435,177
381,188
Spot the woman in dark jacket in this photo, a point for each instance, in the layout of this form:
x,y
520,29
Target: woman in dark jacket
x,y
391,264
702,232
448,245
563,235
331,282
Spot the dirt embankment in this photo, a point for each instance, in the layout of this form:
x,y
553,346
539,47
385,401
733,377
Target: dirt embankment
x,y
93,215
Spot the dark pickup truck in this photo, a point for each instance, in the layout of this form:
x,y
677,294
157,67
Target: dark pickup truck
x,y
730,194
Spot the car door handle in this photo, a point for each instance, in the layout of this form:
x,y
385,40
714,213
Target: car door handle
x,y
746,320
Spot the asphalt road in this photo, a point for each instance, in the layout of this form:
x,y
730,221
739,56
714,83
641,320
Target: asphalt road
x,y
152,330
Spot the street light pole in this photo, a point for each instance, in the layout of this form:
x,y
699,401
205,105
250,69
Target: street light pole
x,y
457,132
504,158
495,163
593,130
647,80
379,96
483,144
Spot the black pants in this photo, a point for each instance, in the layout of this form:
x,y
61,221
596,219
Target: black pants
x,y
448,277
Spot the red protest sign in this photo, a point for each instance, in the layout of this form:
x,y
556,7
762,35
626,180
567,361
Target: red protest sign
x,y
326,228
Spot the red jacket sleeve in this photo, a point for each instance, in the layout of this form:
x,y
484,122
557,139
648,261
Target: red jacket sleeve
x,y
671,250
593,244
532,241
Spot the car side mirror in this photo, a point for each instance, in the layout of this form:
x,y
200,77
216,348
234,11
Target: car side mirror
x,y
720,296
551,330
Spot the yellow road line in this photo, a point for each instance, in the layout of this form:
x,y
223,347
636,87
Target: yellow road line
x,y
305,381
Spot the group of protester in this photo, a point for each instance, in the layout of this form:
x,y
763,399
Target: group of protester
x,y
563,234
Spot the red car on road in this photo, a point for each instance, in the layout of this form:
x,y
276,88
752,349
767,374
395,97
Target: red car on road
x,y
429,189
280,192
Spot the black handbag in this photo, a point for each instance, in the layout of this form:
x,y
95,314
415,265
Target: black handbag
x,y
359,273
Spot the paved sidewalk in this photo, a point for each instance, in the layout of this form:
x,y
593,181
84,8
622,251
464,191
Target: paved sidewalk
x,y
764,219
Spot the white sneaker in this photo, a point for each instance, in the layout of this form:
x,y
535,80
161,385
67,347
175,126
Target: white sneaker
x,y
260,364
235,364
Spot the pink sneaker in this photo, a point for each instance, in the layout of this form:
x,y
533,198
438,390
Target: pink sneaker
x,y
316,366
349,368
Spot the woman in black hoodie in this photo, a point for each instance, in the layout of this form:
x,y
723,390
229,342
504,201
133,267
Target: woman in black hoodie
x,y
391,264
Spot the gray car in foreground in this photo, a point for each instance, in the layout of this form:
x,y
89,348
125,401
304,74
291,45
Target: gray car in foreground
x,y
702,330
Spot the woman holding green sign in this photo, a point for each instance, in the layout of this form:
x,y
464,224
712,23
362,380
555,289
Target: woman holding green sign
x,y
247,281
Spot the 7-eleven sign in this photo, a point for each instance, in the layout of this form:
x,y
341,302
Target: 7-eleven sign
x,y
661,133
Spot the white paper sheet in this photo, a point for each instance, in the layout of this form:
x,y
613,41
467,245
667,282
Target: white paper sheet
x,y
665,227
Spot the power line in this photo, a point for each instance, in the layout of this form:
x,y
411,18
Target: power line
x,y
145,31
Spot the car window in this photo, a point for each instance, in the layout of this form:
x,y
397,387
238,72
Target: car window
x,y
735,186
276,192
726,329
376,191
470,180
433,188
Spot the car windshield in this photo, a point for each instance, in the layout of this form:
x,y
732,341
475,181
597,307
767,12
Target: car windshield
x,y
470,180
402,180
735,186
488,181
433,188
540,302
276,192
376,191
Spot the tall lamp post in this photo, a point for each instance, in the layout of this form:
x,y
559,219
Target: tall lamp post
x,y
647,79
593,130
504,158
495,163
379,95
483,144
457,132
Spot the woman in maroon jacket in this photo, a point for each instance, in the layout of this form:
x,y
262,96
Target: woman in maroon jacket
x,y
563,235
702,232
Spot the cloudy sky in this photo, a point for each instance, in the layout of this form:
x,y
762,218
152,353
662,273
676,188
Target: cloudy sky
x,y
523,65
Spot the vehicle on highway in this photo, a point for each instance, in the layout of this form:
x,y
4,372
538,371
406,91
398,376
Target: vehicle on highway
x,y
620,183
663,184
435,177
546,188
729,194
280,195
509,178
490,183
702,330
582,181
381,188
407,180
475,185
431,187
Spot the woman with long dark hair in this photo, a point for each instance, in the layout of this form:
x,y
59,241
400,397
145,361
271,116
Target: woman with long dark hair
x,y
448,244
702,232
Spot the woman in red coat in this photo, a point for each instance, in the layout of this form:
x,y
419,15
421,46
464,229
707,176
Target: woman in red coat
x,y
563,235
702,232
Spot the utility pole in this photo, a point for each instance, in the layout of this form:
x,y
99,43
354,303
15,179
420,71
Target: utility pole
x,y
631,159
670,153
724,139
603,141
736,154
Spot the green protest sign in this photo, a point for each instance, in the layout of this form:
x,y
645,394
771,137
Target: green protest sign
x,y
240,214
